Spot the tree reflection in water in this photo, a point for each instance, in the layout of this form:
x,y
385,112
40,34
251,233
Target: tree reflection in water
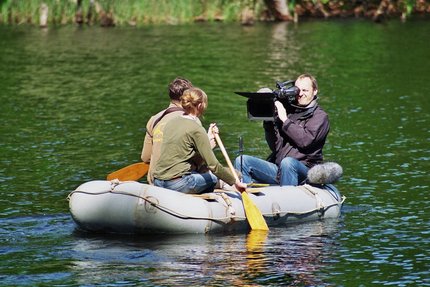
x,y
292,256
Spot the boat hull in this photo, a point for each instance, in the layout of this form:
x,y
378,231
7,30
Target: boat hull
x,y
133,207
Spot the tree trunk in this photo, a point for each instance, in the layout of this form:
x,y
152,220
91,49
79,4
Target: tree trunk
x,y
43,18
106,18
320,7
279,9
79,18
247,16
90,12
381,11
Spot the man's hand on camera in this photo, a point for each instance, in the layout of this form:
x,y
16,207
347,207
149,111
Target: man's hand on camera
x,y
282,113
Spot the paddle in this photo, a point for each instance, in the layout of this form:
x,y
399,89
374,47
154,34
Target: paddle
x,y
131,172
253,214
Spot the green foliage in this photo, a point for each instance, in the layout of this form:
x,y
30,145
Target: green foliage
x,y
409,6
141,12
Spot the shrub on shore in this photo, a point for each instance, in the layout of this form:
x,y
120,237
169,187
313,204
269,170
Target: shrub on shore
x,y
143,12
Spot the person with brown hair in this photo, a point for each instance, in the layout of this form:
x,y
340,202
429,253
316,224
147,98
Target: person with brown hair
x,y
184,139
296,138
155,125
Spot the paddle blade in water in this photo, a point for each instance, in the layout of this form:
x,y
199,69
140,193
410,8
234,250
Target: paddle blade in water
x,y
253,214
131,172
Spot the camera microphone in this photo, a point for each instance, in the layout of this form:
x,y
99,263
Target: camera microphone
x,y
325,173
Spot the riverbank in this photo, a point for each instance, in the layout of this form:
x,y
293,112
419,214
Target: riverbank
x,y
109,13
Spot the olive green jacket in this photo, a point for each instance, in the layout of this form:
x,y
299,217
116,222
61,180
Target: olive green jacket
x,y
154,138
183,140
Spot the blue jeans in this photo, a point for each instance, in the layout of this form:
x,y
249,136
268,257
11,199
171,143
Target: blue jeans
x,y
291,171
190,183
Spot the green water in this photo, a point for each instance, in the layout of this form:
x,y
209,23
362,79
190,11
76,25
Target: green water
x,y
75,103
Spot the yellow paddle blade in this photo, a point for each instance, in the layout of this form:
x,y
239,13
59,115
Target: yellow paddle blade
x,y
131,172
253,214
256,259
255,240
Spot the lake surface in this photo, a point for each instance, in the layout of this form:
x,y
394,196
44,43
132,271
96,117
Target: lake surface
x,y
75,102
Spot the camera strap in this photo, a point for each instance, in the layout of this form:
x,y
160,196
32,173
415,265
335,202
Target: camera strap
x,y
167,111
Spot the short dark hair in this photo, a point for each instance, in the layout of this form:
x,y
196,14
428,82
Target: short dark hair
x,y
177,87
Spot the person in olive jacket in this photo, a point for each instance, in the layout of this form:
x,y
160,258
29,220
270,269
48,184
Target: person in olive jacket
x,y
296,138
185,139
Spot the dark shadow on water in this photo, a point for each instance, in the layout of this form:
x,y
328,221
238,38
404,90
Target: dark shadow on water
x,y
347,208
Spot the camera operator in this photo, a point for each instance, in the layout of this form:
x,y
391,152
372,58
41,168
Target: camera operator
x,y
296,138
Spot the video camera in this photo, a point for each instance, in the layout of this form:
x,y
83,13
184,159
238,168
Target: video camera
x,y
260,105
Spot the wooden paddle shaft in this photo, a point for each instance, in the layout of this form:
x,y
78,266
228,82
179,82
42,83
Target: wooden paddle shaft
x,y
253,214
224,152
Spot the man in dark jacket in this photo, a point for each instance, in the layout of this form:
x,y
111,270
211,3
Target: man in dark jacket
x,y
296,137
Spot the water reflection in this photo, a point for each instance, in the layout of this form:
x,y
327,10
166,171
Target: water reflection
x,y
255,256
75,102
283,53
293,256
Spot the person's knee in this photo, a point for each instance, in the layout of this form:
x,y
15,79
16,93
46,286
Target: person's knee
x,y
209,178
214,181
241,161
288,163
210,184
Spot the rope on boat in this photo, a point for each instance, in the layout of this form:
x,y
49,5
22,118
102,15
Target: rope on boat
x,y
314,192
320,205
160,207
230,210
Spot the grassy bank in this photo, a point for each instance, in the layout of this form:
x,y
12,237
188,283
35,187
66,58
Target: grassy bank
x,y
142,12
124,12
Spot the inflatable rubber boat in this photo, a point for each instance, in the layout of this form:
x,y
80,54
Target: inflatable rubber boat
x,y
133,207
